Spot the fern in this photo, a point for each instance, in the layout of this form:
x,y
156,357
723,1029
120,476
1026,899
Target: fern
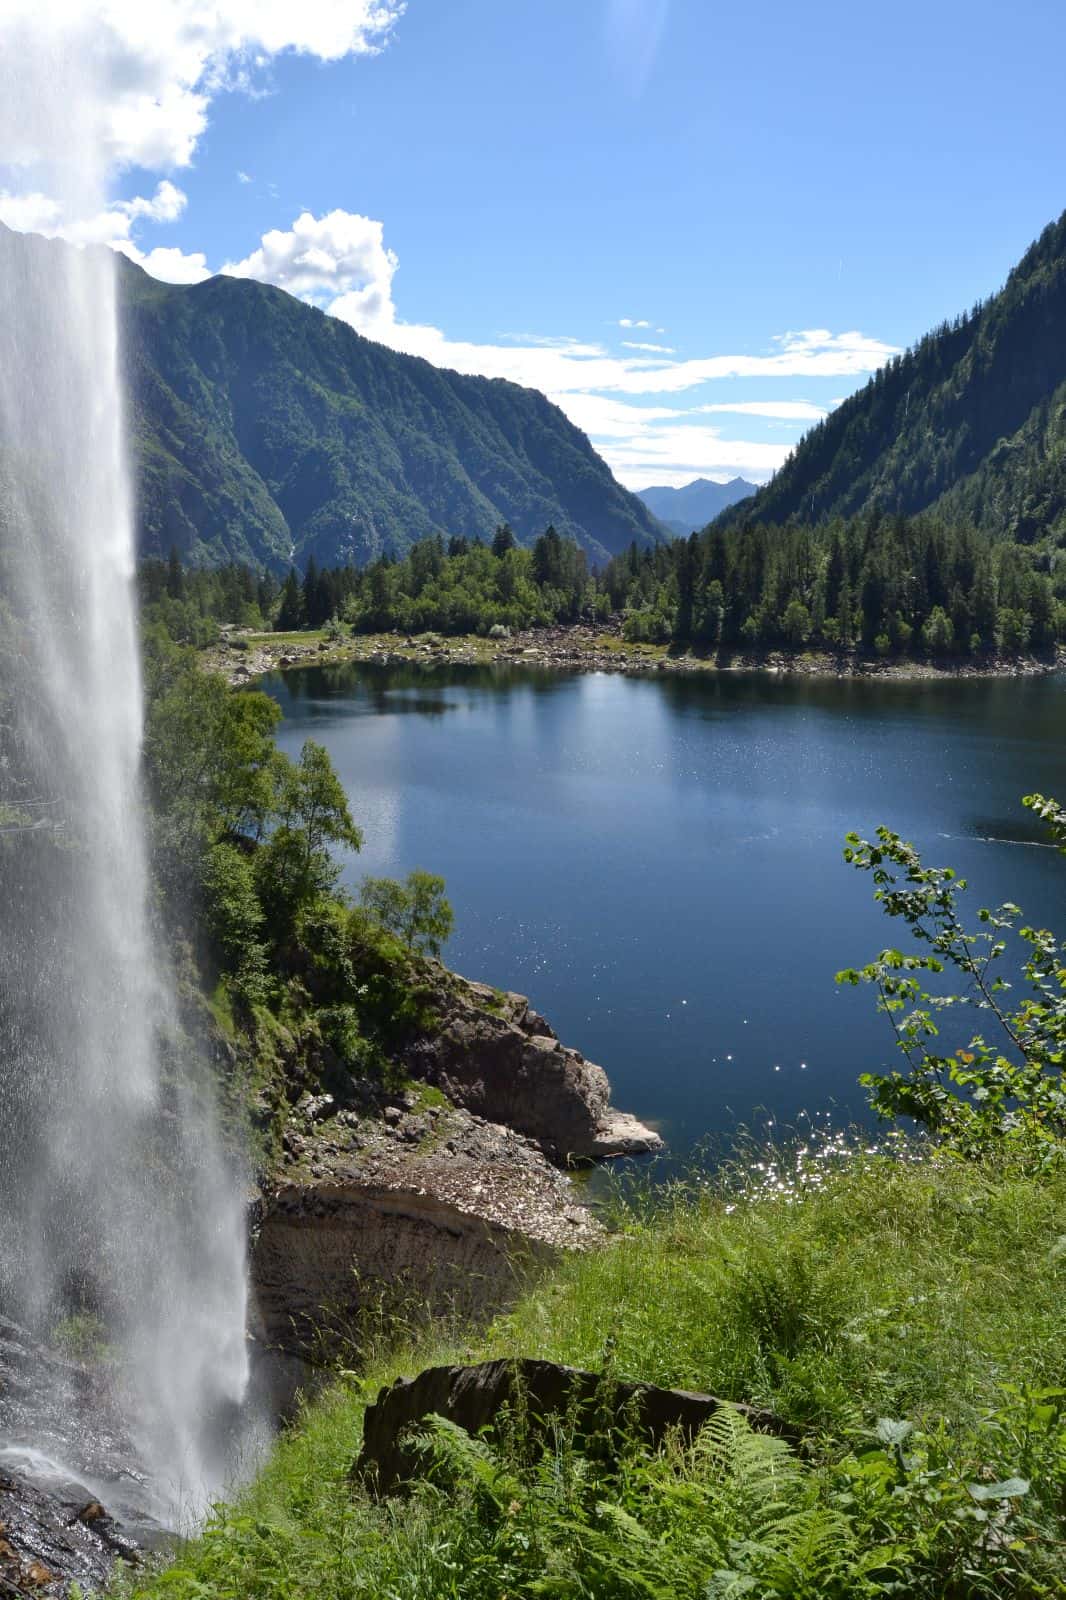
x,y
461,1460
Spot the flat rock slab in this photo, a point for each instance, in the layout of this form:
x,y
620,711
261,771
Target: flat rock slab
x,y
474,1397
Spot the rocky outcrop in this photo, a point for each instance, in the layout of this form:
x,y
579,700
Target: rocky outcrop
x,y
420,1209
590,1403
71,1500
433,1200
494,1055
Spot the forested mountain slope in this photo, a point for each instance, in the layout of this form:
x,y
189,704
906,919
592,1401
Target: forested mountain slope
x,y
971,422
267,431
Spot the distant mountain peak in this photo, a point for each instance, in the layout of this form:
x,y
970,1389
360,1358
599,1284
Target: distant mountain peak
x,y
694,504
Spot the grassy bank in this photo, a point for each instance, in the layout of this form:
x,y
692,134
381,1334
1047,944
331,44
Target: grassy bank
x,y
909,1315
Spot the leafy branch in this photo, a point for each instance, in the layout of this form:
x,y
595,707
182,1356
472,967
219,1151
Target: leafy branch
x,y
1009,1085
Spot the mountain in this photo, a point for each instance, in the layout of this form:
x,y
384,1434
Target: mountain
x,y
696,504
971,422
267,431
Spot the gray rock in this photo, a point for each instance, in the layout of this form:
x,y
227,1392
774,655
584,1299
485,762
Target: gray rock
x,y
54,1537
474,1397
74,1499
499,1059
450,1226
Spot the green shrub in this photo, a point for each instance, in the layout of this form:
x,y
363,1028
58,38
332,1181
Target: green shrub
x,y
416,911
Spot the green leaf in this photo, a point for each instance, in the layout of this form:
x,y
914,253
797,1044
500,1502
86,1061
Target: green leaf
x,y
893,1432
1008,1489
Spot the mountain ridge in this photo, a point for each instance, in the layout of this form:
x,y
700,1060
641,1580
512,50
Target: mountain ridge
x,y
970,422
267,431
694,504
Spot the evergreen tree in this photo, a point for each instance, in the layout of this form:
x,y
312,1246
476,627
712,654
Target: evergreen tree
x,y
291,611
175,575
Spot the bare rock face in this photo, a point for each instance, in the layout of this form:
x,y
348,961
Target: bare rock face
x,y
474,1397
54,1536
433,1210
437,1200
496,1056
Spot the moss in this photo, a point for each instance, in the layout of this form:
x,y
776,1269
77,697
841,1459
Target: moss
x,y
427,1096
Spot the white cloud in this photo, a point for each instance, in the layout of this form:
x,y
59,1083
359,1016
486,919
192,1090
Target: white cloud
x,y
339,260
166,205
29,213
112,84
778,410
603,417
676,455
169,263
157,66
243,177
580,368
654,349
662,444
39,213
633,322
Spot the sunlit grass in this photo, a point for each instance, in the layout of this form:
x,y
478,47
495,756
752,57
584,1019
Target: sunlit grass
x,y
833,1287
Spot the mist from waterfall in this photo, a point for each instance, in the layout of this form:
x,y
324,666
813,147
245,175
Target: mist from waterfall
x,y
116,1199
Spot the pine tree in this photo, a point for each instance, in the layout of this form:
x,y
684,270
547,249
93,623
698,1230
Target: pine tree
x,y
291,611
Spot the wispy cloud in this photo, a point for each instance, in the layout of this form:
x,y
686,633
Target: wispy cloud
x,y
645,444
777,410
655,349
633,30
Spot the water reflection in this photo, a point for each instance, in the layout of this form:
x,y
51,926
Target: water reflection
x,y
658,860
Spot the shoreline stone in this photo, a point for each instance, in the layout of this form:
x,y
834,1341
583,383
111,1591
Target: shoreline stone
x,y
580,647
495,1056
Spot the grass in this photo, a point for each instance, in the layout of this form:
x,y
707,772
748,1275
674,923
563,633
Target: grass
x,y
301,636
835,1291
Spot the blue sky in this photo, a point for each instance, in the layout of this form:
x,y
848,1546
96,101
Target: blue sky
x,y
774,196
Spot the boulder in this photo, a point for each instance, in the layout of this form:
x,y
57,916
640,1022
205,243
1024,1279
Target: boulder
x,y
593,1405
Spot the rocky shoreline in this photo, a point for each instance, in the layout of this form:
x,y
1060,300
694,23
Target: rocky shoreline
x,y
438,1194
584,648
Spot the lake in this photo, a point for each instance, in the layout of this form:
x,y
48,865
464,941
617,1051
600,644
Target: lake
x,y
657,862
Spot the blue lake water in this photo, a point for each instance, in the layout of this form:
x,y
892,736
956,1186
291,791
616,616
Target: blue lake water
x,y
657,862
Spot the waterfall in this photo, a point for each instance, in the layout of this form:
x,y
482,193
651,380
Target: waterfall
x,y
117,1200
